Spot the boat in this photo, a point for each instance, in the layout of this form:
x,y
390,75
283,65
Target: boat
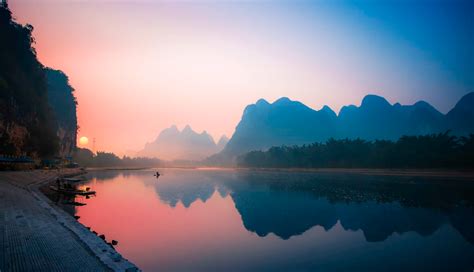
x,y
67,191
74,203
72,180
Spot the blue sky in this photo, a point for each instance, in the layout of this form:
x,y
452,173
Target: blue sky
x,y
150,64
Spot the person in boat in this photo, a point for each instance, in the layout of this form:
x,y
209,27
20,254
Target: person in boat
x,y
157,174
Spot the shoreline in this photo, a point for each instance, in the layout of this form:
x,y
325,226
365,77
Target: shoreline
x,y
98,247
27,184
402,172
438,173
407,172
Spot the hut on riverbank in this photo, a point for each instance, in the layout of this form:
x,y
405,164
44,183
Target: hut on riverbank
x,y
16,163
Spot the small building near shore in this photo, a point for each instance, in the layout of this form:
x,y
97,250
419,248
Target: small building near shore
x,y
16,163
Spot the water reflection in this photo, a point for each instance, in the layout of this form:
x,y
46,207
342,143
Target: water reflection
x,y
185,188
288,206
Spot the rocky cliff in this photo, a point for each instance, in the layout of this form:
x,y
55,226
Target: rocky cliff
x,y
63,102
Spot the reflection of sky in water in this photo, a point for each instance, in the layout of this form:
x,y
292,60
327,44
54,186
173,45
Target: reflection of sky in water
x,y
240,220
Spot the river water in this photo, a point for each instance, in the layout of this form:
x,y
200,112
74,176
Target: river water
x,y
243,220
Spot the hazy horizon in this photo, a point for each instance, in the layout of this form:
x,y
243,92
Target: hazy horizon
x,y
141,67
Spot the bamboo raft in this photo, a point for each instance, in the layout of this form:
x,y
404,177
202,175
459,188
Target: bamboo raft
x,y
71,191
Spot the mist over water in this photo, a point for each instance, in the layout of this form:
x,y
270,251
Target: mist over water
x,y
242,220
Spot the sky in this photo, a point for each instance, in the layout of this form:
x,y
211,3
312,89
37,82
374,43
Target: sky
x,y
141,66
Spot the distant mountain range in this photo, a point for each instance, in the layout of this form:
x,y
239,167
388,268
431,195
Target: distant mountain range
x,y
287,122
187,144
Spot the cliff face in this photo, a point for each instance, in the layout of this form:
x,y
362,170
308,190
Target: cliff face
x,y
62,101
37,105
27,123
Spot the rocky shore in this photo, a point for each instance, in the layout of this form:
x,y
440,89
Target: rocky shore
x,y
36,235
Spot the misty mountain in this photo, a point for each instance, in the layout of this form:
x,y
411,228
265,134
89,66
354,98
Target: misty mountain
x,y
187,144
264,125
376,118
461,117
287,122
223,140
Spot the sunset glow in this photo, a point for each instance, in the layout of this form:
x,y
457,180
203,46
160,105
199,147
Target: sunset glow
x,y
83,140
146,65
243,135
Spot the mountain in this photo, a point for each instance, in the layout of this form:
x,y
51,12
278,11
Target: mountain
x,y
187,144
62,101
264,125
461,118
378,119
27,125
223,140
287,122
37,105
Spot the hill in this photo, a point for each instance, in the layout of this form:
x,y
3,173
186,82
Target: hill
x,y
287,122
187,144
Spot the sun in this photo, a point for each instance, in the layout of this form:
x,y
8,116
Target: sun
x,y
83,140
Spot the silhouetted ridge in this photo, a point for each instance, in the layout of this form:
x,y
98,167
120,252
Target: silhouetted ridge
x,y
282,101
172,144
374,101
63,102
326,109
264,125
461,117
287,122
36,104
262,102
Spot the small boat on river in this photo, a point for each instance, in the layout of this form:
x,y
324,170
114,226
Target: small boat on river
x,y
71,191
72,180
74,203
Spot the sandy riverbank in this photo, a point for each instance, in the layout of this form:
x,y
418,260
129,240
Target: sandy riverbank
x,y
37,235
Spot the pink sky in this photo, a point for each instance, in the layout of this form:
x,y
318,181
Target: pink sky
x,y
139,67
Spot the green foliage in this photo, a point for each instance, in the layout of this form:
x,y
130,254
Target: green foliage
x,y
429,151
61,98
27,124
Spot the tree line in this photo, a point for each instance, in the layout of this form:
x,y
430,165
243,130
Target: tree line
x,y
428,151
87,158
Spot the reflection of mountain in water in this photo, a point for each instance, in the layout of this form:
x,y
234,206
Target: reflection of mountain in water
x,y
287,215
288,204
187,188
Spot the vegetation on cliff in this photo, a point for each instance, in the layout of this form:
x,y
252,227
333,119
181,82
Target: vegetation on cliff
x,y
27,124
37,104
63,102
